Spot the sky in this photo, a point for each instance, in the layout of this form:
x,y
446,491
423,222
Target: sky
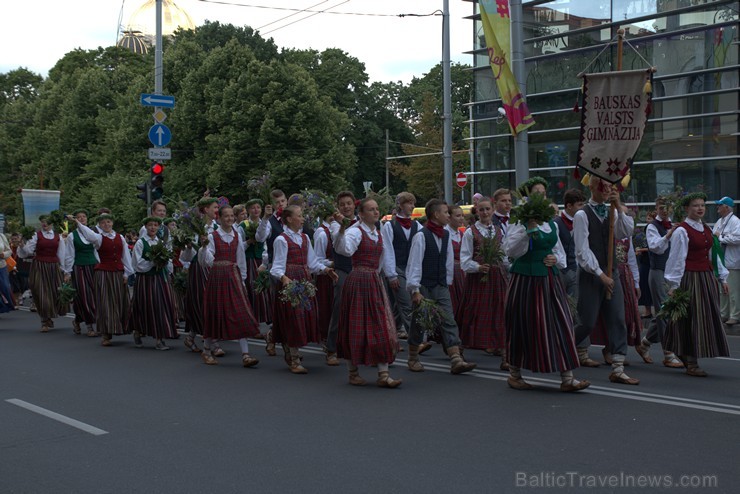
x,y
35,34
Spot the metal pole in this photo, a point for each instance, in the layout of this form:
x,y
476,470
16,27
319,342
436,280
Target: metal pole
x,y
447,101
471,153
521,141
387,153
158,69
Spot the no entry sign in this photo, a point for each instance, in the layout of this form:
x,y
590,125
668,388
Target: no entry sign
x,y
462,180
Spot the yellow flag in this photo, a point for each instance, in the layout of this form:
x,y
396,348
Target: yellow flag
x,y
497,28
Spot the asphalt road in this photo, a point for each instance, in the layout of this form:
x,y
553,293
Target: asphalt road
x,y
164,422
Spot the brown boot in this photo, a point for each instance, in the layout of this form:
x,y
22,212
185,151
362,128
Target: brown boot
x,y
270,347
504,361
331,359
414,363
457,364
424,347
249,361
295,363
385,380
76,329
355,379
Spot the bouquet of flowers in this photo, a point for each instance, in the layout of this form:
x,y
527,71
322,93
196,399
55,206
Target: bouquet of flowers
x,y
160,255
298,293
66,294
318,205
428,316
27,232
261,282
250,229
532,207
180,282
59,221
190,224
676,307
180,238
492,253
260,188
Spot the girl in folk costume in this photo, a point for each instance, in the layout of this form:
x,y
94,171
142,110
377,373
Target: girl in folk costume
x,y
691,267
539,326
79,266
110,278
294,259
482,319
177,267
367,330
197,279
152,311
227,312
7,299
324,248
46,276
457,288
261,302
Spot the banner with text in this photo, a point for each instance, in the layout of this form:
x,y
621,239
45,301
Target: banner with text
x,y
613,117
497,30
38,202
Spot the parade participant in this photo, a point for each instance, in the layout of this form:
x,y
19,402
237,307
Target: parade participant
x,y
152,312
227,312
46,276
502,209
727,230
177,267
197,279
457,288
241,214
19,276
342,267
690,267
7,300
324,249
300,201
429,273
158,210
79,267
397,236
110,278
599,292
643,265
482,322
294,259
539,326
367,331
261,302
658,233
573,200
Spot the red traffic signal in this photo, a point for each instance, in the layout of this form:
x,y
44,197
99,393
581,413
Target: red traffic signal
x,y
157,168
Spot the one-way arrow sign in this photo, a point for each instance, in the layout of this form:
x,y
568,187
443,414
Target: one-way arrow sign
x,y
160,135
158,100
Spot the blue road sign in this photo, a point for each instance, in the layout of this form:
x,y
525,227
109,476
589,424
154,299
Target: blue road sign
x,y
160,135
158,100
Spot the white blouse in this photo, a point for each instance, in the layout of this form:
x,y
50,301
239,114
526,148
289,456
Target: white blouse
x,y
676,264
96,239
29,248
140,264
516,243
623,227
280,255
348,242
467,248
416,258
320,241
389,255
207,256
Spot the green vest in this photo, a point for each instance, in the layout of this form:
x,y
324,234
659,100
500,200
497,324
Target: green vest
x,y
84,253
153,271
255,250
541,245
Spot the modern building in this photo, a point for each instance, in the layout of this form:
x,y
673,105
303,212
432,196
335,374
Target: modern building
x,y
691,139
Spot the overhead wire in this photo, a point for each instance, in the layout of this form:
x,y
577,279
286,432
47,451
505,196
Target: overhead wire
x,y
291,15
309,10
307,17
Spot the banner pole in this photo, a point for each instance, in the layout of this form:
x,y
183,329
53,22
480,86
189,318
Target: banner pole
x,y
613,206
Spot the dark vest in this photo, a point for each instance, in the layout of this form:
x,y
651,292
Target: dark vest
x,y
569,245
342,263
598,239
434,264
402,246
275,231
657,262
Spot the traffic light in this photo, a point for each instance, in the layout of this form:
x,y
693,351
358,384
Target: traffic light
x,y
155,183
144,192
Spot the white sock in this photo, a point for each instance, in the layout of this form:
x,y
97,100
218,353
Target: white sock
x,y
567,377
382,367
244,345
618,363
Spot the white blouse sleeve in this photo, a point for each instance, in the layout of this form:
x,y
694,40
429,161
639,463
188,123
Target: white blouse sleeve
x,y
676,264
314,266
241,257
413,266
128,268
279,257
264,229
29,248
69,255
389,255
207,254
347,243
140,264
632,263
96,239
559,251
320,241
516,241
466,252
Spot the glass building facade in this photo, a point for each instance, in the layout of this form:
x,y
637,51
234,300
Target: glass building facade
x,y
691,139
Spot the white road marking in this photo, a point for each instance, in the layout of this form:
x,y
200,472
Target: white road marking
x,y
58,417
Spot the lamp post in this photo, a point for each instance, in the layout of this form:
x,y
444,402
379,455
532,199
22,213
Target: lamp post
x,y
446,102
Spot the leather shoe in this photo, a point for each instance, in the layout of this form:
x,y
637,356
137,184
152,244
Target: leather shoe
x,y
424,347
519,384
572,386
356,380
696,371
731,322
589,362
644,352
249,361
623,378
673,362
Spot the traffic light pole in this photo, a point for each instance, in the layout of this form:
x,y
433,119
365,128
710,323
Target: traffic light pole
x,y
158,76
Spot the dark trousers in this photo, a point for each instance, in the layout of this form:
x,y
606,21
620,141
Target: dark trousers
x,y
448,330
331,337
592,302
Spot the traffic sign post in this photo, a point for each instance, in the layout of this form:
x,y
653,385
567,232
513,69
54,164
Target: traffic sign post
x,y
160,135
158,100
462,180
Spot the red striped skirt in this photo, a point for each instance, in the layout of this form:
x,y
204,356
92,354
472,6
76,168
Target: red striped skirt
x,y
152,311
325,300
482,322
44,280
261,302
457,291
227,313
111,302
599,335
83,280
295,326
539,326
367,329
197,279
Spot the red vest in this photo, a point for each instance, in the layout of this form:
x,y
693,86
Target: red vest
x,y
46,250
111,254
700,243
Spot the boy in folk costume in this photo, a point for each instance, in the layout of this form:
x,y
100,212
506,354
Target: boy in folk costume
x,y
397,236
591,235
692,267
79,267
111,277
429,273
46,276
152,311
658,233
324,249
573,201
227,312
342,267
